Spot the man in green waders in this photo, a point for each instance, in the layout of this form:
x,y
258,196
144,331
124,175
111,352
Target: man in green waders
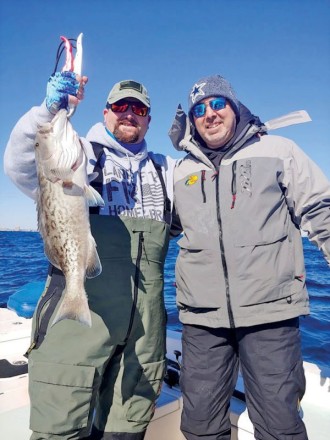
x,y
102,382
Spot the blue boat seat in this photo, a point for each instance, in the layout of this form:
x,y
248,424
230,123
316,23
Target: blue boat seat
x,y
24,301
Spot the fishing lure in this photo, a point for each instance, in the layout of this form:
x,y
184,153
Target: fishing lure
x,y
72,63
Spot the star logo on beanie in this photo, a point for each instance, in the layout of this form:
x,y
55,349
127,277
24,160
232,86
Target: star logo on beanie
x,y
197,91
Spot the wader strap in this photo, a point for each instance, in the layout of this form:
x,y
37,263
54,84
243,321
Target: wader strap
x,y
97,183
167,201
52,297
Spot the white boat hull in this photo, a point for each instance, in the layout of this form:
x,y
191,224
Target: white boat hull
x,y
14,399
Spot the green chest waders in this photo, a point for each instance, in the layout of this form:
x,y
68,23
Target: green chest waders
x,y
118,364
109,374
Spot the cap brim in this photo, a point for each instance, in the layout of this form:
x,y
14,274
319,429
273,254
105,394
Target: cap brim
x,y
128,93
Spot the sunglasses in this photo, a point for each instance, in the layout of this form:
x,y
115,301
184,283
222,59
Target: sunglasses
x,y
138,108
199,110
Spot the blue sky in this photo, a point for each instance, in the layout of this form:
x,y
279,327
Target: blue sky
x,y
276,54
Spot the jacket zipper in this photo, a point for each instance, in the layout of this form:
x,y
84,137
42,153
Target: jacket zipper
x,y
202,185
223,257
233,184
136,284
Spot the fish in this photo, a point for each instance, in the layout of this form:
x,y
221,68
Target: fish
x,y
64,195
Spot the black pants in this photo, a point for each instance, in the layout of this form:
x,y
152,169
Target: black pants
x,y
271,364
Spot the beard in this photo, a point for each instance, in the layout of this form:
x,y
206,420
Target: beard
x,y
126,138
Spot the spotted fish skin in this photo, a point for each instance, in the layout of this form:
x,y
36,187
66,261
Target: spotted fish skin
x,y
63,200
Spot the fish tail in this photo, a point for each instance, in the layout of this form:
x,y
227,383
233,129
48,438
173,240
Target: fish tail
x,y
76,309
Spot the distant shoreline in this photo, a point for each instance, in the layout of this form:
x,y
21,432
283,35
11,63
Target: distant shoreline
x,y
17,230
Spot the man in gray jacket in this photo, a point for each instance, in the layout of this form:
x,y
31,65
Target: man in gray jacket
x,y
242,198
108,375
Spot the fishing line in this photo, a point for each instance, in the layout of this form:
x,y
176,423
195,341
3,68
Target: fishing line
x,y
60,50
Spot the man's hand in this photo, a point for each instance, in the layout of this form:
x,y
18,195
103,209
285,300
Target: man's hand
x,y
64,89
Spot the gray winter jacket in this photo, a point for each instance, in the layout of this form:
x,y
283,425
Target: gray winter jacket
x,y
241,257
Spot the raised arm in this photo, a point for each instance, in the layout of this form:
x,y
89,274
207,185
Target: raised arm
x,y
63,89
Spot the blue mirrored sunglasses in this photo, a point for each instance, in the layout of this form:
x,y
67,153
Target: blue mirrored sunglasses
x,y
199,110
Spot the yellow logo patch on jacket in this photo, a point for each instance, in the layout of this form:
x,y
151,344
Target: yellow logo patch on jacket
x,y
191,180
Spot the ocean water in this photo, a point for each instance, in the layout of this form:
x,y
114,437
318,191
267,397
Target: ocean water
x,y
22,260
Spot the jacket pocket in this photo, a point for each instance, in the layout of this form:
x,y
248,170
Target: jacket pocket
x,y
265,271
199,278
60,397
142,403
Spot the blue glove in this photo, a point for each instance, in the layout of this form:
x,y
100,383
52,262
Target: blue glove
x,y
60,86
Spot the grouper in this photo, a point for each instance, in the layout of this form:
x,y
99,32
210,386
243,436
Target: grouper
x,y
63,200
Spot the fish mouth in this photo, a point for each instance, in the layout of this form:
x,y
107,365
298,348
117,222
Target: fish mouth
x,y
60,121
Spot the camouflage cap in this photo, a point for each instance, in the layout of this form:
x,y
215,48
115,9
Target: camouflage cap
x,y
128,89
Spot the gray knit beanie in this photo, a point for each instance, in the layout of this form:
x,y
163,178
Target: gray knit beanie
x,y
214,85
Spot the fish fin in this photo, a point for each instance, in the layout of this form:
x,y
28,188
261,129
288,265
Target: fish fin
x,y
51,257
94,266
93,197
55,174
72,189
92,176
76,310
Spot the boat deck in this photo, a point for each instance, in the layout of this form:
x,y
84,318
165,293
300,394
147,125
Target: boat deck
x,y
165,425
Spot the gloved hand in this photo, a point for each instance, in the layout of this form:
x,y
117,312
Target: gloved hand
x,y
60,86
